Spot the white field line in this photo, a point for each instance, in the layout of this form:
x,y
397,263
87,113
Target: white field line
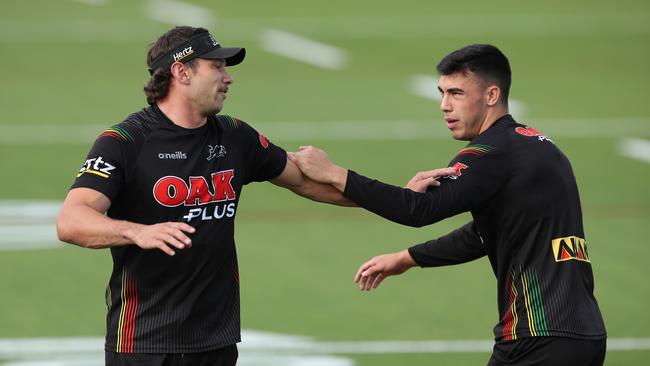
x,y
635,149
305,131
304,50
266,342
179,13
426,86
93,2
28,225
384,27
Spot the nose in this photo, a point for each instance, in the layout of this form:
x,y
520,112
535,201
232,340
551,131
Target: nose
x,y
227,78
445,106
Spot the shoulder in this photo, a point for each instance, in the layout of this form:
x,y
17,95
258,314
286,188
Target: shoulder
x,y
134,128
235,126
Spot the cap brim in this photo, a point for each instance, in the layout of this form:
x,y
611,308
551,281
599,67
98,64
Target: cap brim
x,y
232,55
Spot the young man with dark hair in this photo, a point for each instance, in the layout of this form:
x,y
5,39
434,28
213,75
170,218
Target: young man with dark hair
x,y
169,178
527,218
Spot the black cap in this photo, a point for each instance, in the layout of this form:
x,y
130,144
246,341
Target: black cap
x,y
202,46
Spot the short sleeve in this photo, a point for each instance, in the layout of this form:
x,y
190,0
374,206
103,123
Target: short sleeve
x,y
265,160
103,169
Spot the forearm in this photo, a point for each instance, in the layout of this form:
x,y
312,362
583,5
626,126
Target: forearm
x,y
459,246
397,204
83,226
325,193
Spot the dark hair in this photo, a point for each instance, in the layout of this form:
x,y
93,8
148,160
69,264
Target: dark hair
x,y
158,86
484,60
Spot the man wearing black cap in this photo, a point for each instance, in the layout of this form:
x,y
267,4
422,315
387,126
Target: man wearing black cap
x,y
169,177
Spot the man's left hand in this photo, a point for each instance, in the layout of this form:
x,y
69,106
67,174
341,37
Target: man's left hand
x,y
423,180
315,164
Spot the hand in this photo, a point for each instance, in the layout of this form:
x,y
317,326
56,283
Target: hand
x,y
423,180
163,236
373,272
316,165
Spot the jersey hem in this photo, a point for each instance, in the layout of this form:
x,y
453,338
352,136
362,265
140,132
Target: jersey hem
x,y
561,334
165,350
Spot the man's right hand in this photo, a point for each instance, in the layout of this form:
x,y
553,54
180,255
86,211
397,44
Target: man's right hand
x,y
82,221
163,236
373,272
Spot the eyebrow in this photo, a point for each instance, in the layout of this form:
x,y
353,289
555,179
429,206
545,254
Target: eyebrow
x,y
451,90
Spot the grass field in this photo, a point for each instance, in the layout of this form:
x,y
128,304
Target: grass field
x,y
72,68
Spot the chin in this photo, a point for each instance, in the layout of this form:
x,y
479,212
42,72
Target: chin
x,y
213,111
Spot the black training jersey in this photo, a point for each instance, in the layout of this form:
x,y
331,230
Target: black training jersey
x,y
154,171
523,197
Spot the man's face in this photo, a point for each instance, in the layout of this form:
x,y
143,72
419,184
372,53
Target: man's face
x,y
209,86
463,104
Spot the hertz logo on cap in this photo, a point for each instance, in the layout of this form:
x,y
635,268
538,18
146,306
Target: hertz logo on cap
x,y
184,53
570,247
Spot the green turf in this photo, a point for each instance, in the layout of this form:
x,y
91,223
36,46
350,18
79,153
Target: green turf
x,y
69,64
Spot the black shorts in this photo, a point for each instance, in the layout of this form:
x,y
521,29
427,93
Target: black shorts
x,y
556,351
226,356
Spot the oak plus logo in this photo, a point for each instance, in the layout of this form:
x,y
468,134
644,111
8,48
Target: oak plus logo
x,y
207,201
96,166
570,248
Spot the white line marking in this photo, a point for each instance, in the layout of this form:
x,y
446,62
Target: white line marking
x,y
426,86
258,343
392,27
179,13
396,129
93,2
302,49
28,225
636,149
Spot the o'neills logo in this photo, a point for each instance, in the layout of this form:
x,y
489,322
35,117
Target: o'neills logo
x,y
172,191
570,247
184,53
178,155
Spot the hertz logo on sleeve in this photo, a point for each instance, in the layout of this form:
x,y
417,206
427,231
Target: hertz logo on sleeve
x,y
570,247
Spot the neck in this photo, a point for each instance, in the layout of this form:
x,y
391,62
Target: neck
x,y
492,116
180,112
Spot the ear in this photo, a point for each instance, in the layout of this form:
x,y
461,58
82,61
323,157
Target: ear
x,y
492,95
181,72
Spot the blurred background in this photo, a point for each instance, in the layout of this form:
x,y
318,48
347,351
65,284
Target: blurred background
x,y
357,79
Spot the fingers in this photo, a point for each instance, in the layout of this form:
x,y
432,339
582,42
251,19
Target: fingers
x,y
165,236
378,279
162,246
367,275
437,173
422,185
178,233
364,267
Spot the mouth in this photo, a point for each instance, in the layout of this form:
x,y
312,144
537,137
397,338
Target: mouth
x,y
451,122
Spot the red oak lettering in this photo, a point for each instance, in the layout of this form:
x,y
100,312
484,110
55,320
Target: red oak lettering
x,y
172,191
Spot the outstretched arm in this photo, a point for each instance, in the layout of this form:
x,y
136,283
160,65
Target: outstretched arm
x,y
405,206
293,179
460,246
82,221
